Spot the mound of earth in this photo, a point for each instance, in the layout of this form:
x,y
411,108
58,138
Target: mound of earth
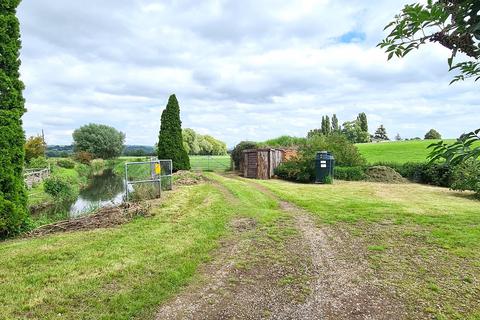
x,y
383,174
188,178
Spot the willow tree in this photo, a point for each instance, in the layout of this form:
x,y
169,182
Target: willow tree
x,y
170,141
13,199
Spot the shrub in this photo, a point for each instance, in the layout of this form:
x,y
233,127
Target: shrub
x,y
467,177
302,169
83,157
237,152
350,173
345,152
66,163
34,147
84,172
38,163
97,165
60,189
296,170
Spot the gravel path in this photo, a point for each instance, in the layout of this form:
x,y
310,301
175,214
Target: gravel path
x,y
319,273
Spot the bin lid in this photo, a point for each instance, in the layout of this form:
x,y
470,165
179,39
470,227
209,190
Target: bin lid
x,y
324,155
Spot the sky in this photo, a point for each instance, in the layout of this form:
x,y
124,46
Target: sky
x,y
241,70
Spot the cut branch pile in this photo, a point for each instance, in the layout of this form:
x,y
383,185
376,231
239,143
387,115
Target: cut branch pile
x,y
104,218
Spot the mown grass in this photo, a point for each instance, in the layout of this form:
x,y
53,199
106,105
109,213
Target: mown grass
x,y
125,272
113,273
396,151
423,241
452,218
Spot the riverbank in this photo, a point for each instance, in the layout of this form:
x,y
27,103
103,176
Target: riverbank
x,y
45,208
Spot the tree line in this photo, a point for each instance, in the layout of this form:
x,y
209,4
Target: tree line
x,y
197,144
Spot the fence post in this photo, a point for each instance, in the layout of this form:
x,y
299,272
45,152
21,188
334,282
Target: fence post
x,y
126,182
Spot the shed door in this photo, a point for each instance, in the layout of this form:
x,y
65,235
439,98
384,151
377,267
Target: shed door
x,y
252,165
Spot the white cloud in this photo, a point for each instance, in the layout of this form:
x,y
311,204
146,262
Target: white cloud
x,y
241,70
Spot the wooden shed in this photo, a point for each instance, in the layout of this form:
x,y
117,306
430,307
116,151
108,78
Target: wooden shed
x,y
260,163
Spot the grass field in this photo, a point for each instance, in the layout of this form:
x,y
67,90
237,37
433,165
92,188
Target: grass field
x,y
128,271
396,151
421,242
210,163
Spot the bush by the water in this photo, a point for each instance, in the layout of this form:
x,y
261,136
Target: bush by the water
x,y
350,173
83,157
99,140
97,166
61,189
383,174
66,163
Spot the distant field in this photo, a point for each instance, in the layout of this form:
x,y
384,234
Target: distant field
x,y
204,163
212,163
396,151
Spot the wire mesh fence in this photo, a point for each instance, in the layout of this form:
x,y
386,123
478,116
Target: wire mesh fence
x,y
147,179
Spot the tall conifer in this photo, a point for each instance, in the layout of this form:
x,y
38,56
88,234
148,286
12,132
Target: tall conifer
x,y
13,198
170,142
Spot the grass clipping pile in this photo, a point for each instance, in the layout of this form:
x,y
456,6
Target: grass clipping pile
x,y
104,218
188,178
384,174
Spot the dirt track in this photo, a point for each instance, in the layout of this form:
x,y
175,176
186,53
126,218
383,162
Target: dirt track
x,y
314,273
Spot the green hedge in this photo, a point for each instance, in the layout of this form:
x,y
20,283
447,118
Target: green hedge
x,y
437,174
296,170
350,173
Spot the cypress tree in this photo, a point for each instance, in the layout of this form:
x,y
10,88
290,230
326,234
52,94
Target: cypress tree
x,y
327,125
323,128
362,119
170,141
335,127
13,198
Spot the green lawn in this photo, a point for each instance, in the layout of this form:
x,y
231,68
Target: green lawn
x,y
396,151
212,163
422,241
124,272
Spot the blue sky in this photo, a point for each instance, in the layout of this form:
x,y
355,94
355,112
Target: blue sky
x,y
240,69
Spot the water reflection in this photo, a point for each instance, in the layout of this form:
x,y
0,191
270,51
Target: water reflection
x,y
103,190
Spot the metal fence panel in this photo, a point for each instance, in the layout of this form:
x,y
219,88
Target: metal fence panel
x,y
156,172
